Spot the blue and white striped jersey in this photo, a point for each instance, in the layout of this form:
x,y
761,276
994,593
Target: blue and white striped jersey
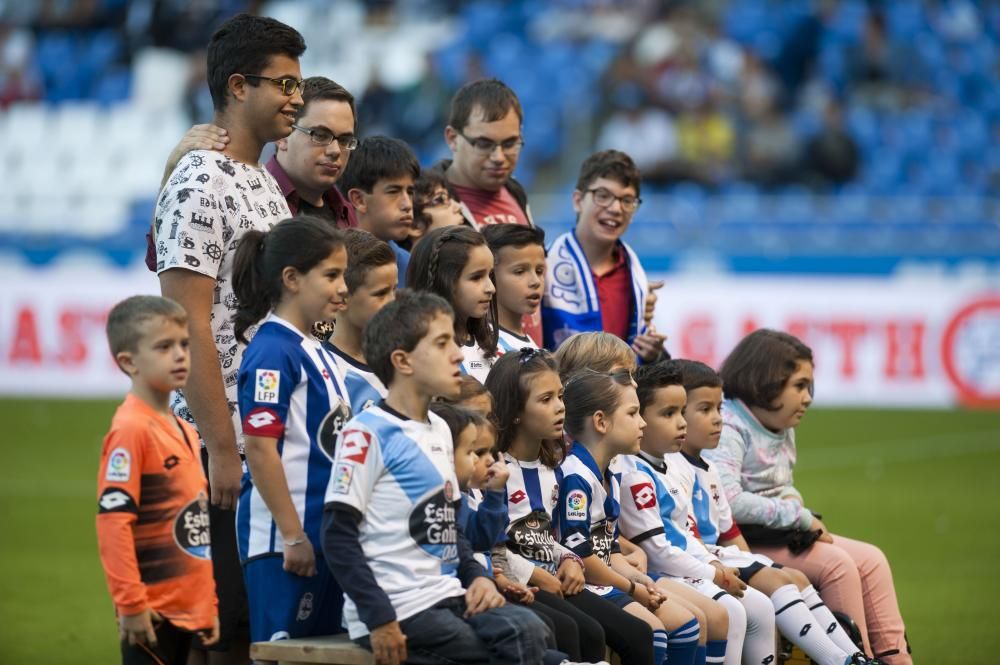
x,y
363,387
588,513
289,390
532,497
398,475
649,504
508,341
710,508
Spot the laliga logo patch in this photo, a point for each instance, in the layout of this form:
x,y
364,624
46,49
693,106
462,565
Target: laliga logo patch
x,y
266,386
342,477
643,495
576,505
191,528
329,428
355,445
119,466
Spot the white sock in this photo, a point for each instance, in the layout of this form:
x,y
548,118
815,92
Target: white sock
x,y
825,617
797,623
737,628
758,648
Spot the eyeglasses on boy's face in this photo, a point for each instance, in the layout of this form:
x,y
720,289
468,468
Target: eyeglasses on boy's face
x,y
605,198
323,136
288,85
485,147
438,200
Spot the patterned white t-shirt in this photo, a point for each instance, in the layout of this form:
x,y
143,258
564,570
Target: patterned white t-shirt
x,y
207,206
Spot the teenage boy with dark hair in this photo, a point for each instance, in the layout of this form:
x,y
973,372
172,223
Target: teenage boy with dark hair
x,y
391,504
519,275
378,181
209,202
594,279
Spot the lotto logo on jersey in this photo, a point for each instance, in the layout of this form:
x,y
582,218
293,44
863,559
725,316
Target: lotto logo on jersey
x,y
262,421
518,496
354,445
119,466
576,505
643,495
266,386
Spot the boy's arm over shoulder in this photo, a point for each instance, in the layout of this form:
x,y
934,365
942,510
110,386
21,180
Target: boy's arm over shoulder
x,y
118,500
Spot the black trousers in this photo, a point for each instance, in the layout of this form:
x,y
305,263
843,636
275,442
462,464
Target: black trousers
x,y
172,647
628,636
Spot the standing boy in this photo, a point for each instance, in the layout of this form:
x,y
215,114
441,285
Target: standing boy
x,y
378,181
594,279
519,274
152,521
371,279
391,504
210,201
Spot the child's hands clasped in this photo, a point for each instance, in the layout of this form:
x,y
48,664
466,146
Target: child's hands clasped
x,y
570,574
514,592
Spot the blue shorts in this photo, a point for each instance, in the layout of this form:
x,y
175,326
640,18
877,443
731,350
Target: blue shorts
x,y
618,598
283,605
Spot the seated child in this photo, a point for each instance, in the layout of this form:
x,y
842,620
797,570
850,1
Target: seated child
x,y
371,283
797,605
768,383
602,416
158,567
414,590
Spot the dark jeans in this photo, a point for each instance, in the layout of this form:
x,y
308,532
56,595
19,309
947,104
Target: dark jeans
x,y
577,634
440,635
628,636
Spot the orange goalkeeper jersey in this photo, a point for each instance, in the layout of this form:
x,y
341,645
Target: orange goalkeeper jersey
x,y
152,518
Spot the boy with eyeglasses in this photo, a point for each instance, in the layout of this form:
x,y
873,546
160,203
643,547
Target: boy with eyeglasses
x,y
378,181
594,280
210,200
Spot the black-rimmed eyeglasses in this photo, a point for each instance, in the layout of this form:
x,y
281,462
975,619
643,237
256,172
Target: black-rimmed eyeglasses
x,y
323,136
485,147
604,198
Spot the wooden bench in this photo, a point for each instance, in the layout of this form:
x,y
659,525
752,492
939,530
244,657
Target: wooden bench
x,y
332,649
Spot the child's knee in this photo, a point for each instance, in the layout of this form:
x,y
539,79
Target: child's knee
x,y
717,618
795,576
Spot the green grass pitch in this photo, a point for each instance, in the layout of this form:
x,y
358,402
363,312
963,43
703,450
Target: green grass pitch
x,y
924,485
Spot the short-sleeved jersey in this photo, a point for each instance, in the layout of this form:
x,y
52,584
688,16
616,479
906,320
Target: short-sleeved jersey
x,y
363,387
475,362
152,518
710,509
648,509
532,497
290,390
208,204
398,476
588,511
508,341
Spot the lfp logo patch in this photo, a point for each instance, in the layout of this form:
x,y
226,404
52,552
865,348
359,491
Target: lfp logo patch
x,y
576,505
267,386
119,466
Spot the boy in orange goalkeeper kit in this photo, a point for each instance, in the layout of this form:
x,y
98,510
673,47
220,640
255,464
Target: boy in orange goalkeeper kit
x,y
152,517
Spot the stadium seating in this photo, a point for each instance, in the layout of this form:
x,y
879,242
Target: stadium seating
x,y
83,163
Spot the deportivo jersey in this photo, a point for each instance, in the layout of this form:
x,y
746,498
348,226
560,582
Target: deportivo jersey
x,y
290,390
474,362
532,497
588,512
647,510
152,518
508,341
709,506
398,475
363,388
